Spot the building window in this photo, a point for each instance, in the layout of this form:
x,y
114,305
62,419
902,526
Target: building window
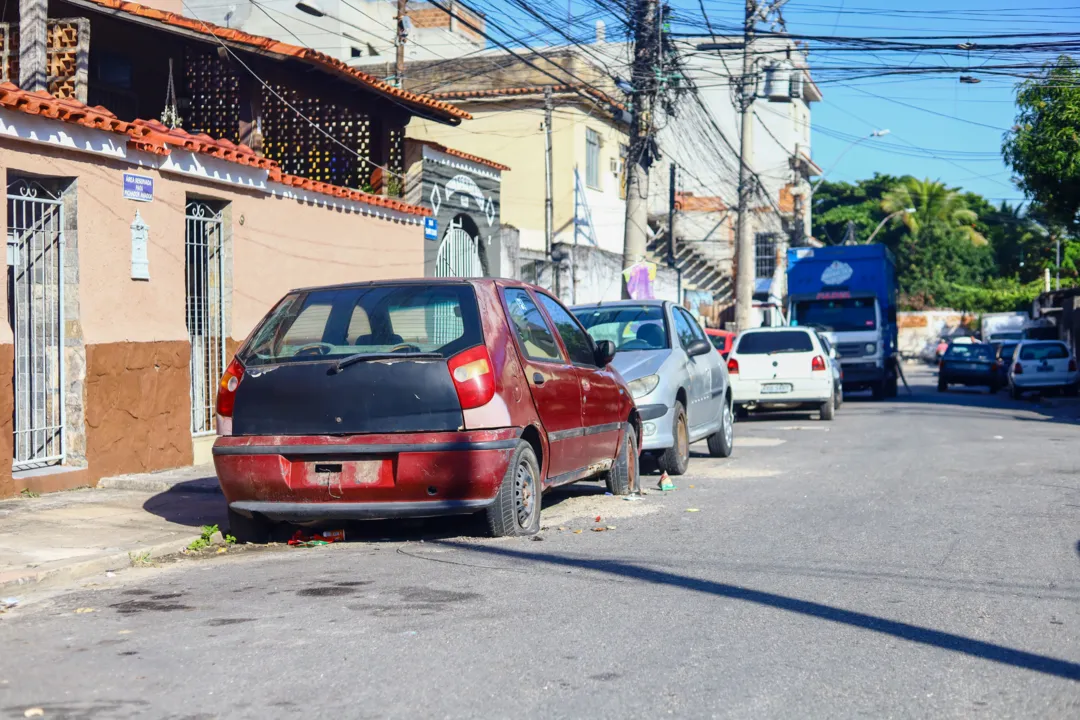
x,y
355,52
592,158
765,255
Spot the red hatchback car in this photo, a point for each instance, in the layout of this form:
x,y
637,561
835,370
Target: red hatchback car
x,y
722,340
417,398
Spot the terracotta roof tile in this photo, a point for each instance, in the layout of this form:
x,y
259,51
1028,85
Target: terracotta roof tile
x,y
265,44
346,193
151,136
529,90
458,153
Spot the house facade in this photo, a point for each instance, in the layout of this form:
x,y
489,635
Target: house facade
x,y
145,244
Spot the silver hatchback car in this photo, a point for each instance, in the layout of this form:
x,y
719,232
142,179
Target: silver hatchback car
x,y
678,380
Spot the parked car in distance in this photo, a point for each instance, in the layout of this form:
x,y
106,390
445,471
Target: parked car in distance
x,y
1043,365
678,382
836,367
1003,353
418,398
722,340
782,368
969,365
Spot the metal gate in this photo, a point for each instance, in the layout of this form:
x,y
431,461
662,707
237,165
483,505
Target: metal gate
x,y
204,265
35,254
459,254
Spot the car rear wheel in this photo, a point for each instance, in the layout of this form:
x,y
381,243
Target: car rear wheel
x,y
942,386
516,510
828,409
722,442
624,477
254,529
676,458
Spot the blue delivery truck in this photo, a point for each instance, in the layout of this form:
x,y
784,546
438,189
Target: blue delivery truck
x,y
848,293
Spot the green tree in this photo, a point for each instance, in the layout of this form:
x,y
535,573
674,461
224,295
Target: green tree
x,y
1043,147
938,209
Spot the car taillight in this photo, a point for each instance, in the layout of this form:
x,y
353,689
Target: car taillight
x,y
226,396
817,364
1018,369
732,366
473,378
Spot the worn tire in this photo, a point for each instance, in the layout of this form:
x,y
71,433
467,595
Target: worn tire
x,y
516,510
877,391
942,386
828,409
676,459
722,442
624,477
245,529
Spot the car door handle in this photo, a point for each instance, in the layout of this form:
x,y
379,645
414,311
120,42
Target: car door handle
x,y
538,379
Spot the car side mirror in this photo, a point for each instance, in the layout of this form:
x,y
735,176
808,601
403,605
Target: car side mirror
x,y
605,353
832,353
699,347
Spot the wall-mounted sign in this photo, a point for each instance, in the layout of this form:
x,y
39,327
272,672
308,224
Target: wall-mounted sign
x,y
431,228
140,258
138,187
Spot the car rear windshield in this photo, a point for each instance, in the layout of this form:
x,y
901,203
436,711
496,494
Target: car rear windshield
x,y
781,341
340,322
969,352
718,341
1007,350
637,327
840,315
1043,351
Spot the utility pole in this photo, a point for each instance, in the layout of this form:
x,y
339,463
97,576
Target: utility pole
x,y
642,99
745,267
549,211
399,68
671,216
1057,261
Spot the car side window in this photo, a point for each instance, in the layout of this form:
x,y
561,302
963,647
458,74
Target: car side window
x,y
684,328
576,340
530,327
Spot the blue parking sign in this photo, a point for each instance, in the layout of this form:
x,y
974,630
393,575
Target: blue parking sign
x,y
431,228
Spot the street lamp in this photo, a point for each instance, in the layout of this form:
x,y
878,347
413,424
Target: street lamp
x,y
875,134
886,219
311,7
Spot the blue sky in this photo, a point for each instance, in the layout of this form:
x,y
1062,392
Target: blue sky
x,y
940,128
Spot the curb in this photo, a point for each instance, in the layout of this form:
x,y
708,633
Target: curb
x,y
58,576
147,485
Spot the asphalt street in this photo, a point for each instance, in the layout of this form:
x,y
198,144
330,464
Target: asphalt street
x,y
913,558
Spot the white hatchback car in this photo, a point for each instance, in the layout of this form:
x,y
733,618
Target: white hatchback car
x,y
1042,365
782,368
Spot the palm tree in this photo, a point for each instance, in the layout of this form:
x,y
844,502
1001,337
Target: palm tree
x,y
935,205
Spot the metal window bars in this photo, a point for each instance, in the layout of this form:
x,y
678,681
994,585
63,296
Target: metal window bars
x,y
35,250
204,265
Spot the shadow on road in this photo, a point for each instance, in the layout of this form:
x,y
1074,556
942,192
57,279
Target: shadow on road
x,y
905,631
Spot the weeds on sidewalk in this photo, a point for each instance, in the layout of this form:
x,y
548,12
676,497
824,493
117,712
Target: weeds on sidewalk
x,y
28,493
203,540
140,559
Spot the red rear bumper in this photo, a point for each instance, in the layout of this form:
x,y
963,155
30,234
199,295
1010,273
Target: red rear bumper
x,y
363,476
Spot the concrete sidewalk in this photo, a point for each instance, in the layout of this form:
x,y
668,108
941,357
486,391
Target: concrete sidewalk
x,y
67,536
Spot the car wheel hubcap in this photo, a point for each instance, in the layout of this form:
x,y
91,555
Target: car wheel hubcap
x,y
524,495
727,425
